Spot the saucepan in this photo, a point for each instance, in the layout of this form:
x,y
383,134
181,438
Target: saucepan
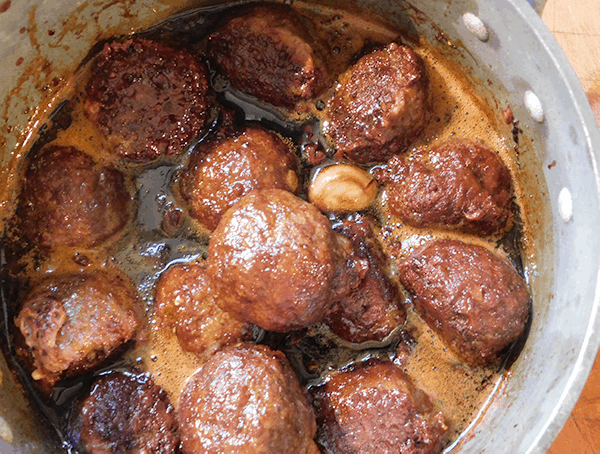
x,y
512,60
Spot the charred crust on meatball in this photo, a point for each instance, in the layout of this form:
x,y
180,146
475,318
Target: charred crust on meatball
x,y
373,309
186,302
223,170
276,262
459,185
149,100
381,104
70,200
472,298
72,323
246,399
268,51
125,412
376,408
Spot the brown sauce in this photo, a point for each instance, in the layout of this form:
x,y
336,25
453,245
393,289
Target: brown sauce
x,y
144,251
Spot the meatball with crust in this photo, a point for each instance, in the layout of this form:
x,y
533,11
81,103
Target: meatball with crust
x,y
459,185
124,412
376,410
71,323
246,400
276,262
473,299
380,106
147,99
269,53
222,171
69,200
374,309
185,301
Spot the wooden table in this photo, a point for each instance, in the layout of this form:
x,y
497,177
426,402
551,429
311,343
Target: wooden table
x,y
576,26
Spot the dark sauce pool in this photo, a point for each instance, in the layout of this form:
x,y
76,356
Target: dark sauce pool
x,y
161,233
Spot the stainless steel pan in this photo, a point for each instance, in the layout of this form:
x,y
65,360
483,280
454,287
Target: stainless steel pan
x,y
513,60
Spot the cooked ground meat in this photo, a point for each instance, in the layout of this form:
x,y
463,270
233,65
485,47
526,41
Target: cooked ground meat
x,y
71,323
475,300
373,309
69,200
126,413
147,99
269,53
247,400
276,262
222,171
185,301
459,185
376,410
380,106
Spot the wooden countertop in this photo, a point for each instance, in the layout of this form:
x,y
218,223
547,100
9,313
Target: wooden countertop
x,y
576,26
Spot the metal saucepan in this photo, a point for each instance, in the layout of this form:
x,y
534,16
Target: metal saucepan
x,y
43,41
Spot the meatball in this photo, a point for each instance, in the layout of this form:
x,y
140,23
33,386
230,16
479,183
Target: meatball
x,y
123,413
376,410
224,170
373,309
380,106
459,185
269,53
147,99
69,200
71,323
185,301
276,262
246,399
476,301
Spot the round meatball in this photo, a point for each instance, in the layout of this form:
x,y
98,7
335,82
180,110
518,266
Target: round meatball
x,y
374,309
185,301
69,200
459,185
269,53
476,301
123,413
380,106
222,171
72,323
376,410
246,399
147,99
276,262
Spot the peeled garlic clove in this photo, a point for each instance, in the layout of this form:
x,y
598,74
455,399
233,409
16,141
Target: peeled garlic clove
x,y
342,188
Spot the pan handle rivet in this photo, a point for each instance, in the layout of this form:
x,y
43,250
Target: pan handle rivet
x,y
565,204
534,106
476,26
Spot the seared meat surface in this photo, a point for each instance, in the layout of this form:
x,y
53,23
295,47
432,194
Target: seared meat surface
x,y
149,100
247,400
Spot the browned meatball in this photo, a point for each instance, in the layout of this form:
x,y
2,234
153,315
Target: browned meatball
x,y
380,106
222,171
276,261
69,200
269,53
246,400
459,185
474,300
127,413
373,309
147,99
185,301
72,323
376,410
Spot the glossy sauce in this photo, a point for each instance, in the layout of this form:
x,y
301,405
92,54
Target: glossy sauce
x,y
149,246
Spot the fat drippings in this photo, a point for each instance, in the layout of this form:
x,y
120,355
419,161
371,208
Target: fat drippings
x,y
145,251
